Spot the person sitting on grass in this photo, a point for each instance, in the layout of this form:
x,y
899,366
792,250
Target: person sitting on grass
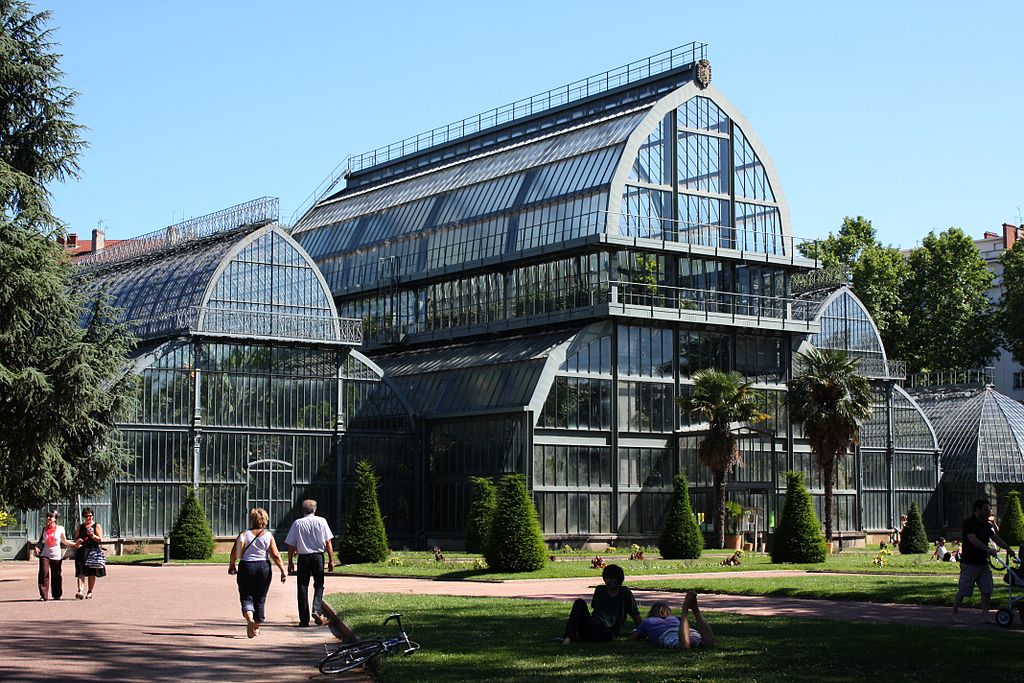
x,y
611,604
664,629
940,553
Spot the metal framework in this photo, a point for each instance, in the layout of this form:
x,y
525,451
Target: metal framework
x,y
253,213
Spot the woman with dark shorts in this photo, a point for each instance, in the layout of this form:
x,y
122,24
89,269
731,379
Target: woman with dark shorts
x,y
88,536
253,551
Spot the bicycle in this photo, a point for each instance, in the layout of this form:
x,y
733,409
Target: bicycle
x,y
349,656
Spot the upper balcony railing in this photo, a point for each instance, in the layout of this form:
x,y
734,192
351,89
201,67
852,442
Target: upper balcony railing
x,y
707,301
571,92
232,322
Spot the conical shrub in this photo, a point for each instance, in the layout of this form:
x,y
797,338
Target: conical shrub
x,y
681,539
515,543
483,502
1011,529
191,537
798,537
913,537
365,539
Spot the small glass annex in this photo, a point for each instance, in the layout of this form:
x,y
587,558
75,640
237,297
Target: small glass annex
x,y
249,386
542,282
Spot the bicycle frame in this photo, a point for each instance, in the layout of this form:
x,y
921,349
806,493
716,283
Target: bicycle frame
x,y
348,656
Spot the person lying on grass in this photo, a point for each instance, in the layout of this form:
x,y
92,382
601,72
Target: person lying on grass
x,y
664,629
611,604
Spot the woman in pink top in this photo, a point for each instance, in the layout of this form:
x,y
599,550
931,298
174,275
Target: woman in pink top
x,y
50,551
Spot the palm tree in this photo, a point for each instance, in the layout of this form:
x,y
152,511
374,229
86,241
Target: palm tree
x,y
831,400
721,399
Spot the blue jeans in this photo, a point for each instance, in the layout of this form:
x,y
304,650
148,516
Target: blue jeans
x,y
253,583
310,566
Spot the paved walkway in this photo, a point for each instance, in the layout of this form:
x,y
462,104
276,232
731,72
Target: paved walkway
x,y
183,623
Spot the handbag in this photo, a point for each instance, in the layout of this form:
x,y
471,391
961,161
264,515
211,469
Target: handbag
x,y
96,558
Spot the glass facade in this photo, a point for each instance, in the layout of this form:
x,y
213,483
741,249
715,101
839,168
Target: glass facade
x,y
248,390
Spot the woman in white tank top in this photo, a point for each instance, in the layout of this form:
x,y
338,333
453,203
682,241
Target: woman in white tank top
x,y
253,551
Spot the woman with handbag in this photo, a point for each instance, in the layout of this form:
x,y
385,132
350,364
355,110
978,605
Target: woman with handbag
x,y
90,560
49,550
253,551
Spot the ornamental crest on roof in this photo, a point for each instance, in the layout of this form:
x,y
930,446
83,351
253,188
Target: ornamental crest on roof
x,y
703,73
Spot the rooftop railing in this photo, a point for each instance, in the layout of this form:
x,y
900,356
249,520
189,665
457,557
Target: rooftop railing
x,y
255,212
571,92
959,377
876,368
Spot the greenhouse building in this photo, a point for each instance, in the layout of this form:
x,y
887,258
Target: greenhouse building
x,y
524,291
542,281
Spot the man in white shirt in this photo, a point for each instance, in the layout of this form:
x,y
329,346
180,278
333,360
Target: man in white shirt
x,y
309,537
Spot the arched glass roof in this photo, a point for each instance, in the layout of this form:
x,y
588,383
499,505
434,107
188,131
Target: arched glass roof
x,y
677,162
697,178
981,433
847,326
259,285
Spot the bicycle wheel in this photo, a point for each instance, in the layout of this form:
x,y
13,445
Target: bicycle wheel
x,y
349,657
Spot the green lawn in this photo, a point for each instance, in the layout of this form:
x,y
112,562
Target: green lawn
x,y
419,564
915,590
499,640
460,565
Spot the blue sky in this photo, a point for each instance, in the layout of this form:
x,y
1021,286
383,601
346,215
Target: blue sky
x,y
908,113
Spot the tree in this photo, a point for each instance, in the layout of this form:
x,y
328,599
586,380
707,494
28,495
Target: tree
x,y
844,248
877,278
831,401
1011,529
913,538
62,385
191,538
721,399
681,539
1011,311
515,543
950,321
482,505
365,539
798,537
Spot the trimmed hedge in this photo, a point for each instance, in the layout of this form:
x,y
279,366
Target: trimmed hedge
x,y
913,538
365,539
798,537
483,503
515,543
191,537
1011,529
681,539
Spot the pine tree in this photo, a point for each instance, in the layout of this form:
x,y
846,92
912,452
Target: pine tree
x,y
681,539
1011,529
515,543
365,539
913,537
798,536
483,503
62,385
191,538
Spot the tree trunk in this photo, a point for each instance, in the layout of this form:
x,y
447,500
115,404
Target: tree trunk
x,y
826,473
719,509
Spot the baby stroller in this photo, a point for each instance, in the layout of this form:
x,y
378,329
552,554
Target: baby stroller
x,y
1014,578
